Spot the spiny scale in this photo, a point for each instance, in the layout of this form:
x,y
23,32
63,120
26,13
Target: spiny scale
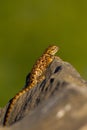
x,y
37,75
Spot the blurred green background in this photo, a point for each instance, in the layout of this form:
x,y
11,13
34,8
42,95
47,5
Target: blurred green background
x,y
28,27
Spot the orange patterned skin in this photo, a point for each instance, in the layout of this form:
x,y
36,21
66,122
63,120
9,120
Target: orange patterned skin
x,y
36,76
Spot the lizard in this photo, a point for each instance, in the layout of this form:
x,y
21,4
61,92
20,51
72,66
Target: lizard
x,y
36,76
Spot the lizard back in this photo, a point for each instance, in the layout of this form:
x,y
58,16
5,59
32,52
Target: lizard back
x,y
37,75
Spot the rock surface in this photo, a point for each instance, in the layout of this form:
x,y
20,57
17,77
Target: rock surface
x,y
58,102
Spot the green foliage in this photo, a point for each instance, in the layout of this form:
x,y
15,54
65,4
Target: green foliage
x,y
28,27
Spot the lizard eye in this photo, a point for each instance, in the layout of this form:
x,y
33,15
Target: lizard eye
x,y
53,49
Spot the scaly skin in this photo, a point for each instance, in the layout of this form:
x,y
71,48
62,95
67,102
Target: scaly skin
x,y
37,75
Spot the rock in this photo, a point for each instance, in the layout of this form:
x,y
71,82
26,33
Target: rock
x,y
58,102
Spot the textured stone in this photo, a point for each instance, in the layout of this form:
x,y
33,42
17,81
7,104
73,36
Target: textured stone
x,y
58,102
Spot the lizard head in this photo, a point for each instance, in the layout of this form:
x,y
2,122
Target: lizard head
x,y
51,50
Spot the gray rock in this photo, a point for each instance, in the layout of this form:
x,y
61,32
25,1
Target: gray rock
x,y
58,102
